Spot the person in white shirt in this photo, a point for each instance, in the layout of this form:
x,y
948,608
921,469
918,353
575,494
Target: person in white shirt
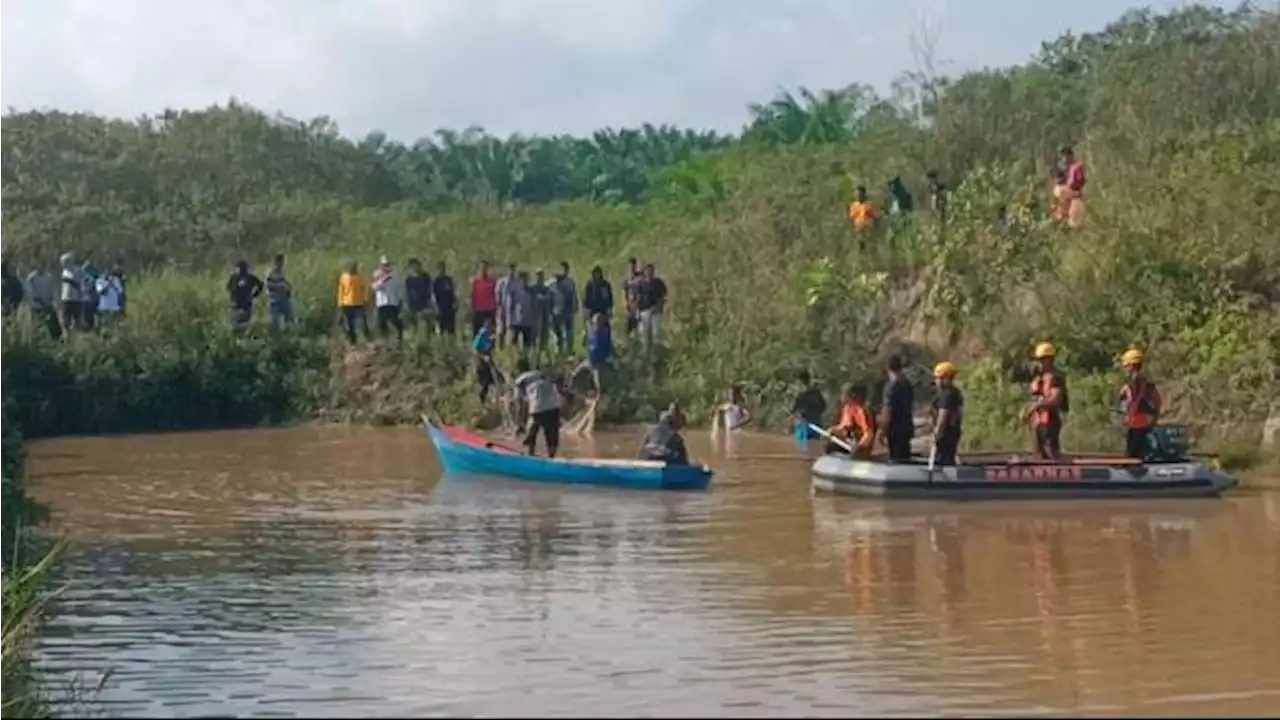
x,y
110,288
387,296
72,292
540,395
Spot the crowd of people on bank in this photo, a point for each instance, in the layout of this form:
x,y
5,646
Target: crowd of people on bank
x,y
538,315
80,297
1066,193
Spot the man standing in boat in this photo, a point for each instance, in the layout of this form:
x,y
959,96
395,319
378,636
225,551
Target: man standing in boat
x,y
896,407
1049,402
541,397
948,415
1139,405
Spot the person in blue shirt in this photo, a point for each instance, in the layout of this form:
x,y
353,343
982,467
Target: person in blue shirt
x,y
487,373
599,350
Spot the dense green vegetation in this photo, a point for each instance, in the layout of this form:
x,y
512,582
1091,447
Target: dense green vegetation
x,y
1175,115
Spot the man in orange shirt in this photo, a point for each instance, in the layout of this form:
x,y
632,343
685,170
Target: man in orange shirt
x,y
861,213
484,299
856,426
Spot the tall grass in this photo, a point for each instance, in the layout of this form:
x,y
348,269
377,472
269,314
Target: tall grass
x,y
25,603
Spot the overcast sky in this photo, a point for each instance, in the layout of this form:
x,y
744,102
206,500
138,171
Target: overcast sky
x,y
411,66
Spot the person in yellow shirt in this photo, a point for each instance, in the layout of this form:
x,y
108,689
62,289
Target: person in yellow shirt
x,y
351,297
861,212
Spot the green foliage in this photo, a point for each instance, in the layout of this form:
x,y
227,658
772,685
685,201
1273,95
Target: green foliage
x,y
1175,115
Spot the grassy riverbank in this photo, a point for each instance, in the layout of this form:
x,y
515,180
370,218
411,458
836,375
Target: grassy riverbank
x,y
27,564
1175,117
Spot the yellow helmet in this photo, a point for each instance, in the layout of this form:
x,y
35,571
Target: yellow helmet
x,y
944,369
1044,350
1133,356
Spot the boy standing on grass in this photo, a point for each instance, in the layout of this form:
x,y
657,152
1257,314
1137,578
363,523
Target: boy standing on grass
x,y
630,286
387,297
279,295
417,291
651,303
40,288
242,287
564,308
446,301
351,296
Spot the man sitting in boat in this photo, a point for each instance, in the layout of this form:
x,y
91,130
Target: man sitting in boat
x,y
541,398
1139,405
1049,402
663,442
857,427
948,414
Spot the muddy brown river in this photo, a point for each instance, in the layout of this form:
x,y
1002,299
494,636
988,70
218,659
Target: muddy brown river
x,y
326,572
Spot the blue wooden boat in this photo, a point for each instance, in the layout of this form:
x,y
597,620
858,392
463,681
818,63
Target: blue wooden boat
x,y
462,451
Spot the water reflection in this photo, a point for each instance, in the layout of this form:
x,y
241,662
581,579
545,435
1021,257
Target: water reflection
x,y
320,572
1102,609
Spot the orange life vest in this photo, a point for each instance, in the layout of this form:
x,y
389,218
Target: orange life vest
x,y
1040,387
1141,404
856,420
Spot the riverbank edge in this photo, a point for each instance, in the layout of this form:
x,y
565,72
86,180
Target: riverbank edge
x,y
30,561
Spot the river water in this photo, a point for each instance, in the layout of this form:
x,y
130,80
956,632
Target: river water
x,y
332,572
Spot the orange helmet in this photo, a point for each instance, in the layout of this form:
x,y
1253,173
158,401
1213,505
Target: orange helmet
x,y
1044,350
1132,357
944,369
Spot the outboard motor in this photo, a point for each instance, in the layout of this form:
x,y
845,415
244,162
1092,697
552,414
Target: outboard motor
x,y
1168,443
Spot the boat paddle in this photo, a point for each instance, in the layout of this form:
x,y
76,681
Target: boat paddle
x,y
848,448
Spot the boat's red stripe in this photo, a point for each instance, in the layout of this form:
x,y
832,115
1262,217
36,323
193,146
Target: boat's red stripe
x,y
465,437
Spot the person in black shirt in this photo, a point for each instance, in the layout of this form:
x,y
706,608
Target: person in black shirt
x,y
417,291
651,300
446,301
809,405
597,295
13,291
895,413
243,286
948,415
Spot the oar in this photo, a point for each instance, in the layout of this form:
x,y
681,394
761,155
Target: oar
x,y
832,438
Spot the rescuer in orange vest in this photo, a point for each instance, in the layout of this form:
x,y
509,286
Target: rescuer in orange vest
x,y
1139,405
856,425
1049,402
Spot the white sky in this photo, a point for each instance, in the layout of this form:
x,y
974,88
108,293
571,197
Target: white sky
x,y
411,66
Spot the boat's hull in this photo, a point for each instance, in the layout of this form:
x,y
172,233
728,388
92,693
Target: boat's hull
x,y
843,475
460,457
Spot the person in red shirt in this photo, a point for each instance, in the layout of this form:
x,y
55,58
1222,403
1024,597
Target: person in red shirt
x,y
1074,195
484,299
